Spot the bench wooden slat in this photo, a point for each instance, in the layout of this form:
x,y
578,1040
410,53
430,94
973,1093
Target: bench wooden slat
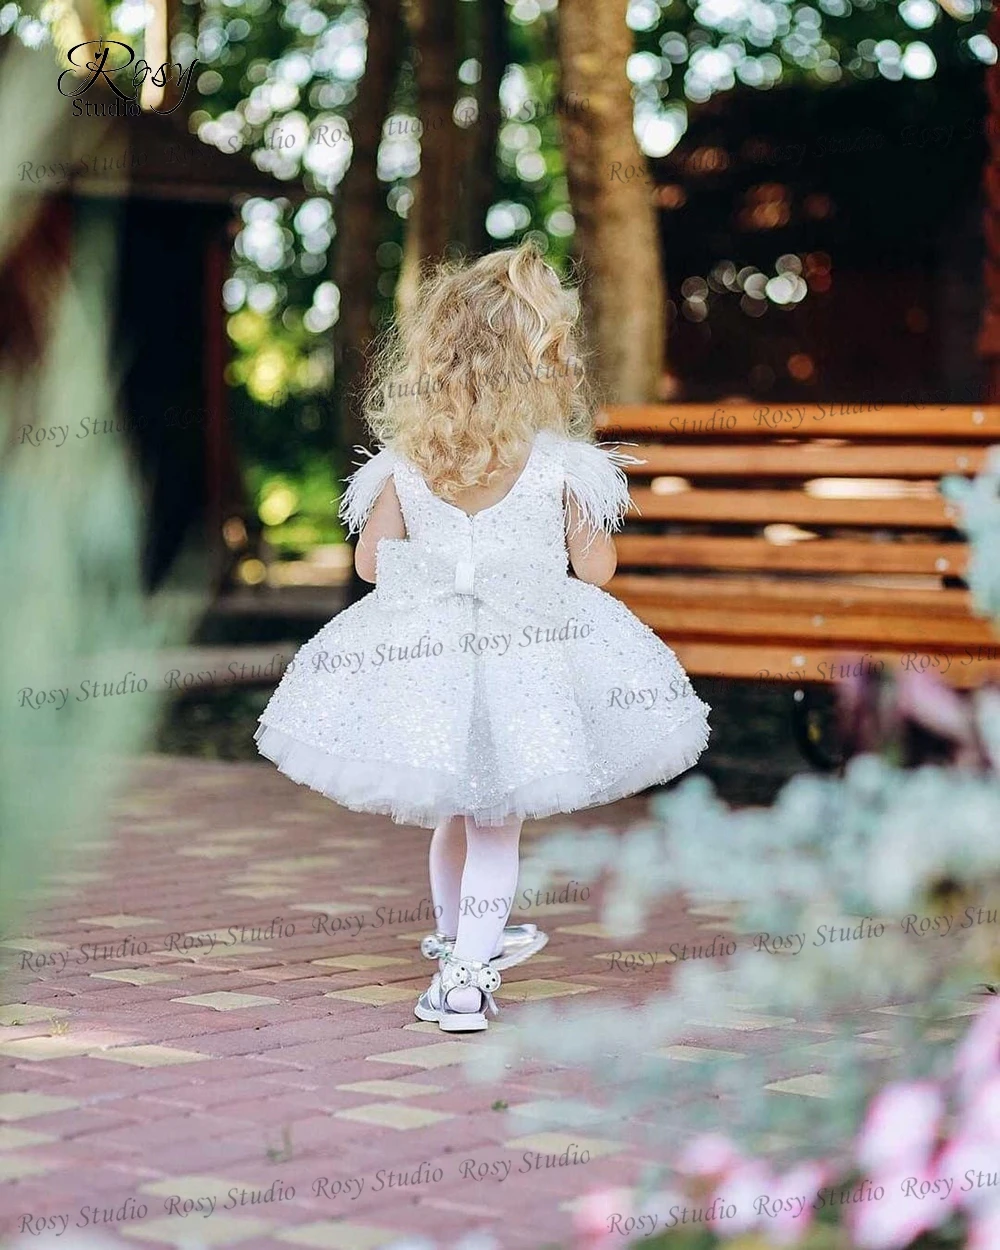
x,y
963,668
772,593
820,555
746,609
805,459
767,623
979,423
762,507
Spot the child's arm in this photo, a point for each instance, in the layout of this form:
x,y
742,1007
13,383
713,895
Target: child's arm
x,y
384,521
591,551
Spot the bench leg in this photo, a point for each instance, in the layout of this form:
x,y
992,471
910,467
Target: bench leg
x,y
808,733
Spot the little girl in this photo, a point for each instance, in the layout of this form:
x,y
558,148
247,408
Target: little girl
x,y
480,683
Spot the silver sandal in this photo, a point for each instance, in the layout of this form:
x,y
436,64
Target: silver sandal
x,y
520,942
459,974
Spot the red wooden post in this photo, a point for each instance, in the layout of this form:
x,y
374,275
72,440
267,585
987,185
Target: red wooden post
x,y
989,331
218,449
31,276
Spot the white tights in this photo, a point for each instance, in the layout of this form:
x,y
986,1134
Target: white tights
x,y
473,870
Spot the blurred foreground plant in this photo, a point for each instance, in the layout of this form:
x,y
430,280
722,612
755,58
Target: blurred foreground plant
x,y
69,529
868,870
922,1173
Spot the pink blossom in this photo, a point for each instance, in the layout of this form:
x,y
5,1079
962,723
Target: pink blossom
x,y
901,1126
973,1162
709,1154
744,1185
930,703
593,1218
799,1187
978,1055
891,1221
981,1114
987,701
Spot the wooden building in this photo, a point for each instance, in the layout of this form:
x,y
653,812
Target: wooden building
x,y
172,203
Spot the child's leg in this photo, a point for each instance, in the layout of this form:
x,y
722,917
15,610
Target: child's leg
x,y
447,859
491,866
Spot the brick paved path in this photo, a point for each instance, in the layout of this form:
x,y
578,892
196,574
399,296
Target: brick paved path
x,y
145,1064
222,1009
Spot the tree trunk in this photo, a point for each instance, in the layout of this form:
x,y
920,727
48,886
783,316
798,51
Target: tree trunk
x,y
482,172
434,39
989,333
432,219
617,238
360,215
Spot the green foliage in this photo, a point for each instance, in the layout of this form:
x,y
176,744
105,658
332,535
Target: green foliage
x,y
819,1237
280,81
700,1240
298,512
273,75
771,41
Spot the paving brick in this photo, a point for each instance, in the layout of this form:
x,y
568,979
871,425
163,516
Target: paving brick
x,y
169,1131
206,847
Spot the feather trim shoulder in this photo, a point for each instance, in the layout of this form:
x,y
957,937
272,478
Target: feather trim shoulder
x,y
364,486
595,477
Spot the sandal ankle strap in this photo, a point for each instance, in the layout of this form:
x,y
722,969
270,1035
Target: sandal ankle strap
x,y
470,974
437,946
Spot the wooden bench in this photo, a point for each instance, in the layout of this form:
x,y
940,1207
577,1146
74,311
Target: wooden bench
x,y
785,542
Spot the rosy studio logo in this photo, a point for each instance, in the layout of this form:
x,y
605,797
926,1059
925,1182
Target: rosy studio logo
x,y
99,68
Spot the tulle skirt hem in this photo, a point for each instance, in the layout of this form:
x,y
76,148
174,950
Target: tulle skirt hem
x,y
414,796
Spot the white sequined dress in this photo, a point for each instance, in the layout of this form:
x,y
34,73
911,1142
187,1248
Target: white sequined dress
x,y
479,677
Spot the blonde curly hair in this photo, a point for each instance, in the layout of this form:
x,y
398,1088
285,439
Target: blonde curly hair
x,y
486,358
